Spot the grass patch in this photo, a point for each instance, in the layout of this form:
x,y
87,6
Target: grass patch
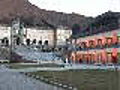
x,y
84,79
22,66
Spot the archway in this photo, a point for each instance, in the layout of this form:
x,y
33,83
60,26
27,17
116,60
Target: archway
x,y
5,41
34,41
18,41
40,42
46,42
28,41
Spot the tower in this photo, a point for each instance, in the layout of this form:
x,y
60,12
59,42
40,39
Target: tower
x,y
17,32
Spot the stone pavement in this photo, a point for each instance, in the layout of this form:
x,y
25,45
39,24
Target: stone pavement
x,y
16,81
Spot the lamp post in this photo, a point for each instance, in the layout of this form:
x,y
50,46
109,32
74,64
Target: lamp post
x,y
11,44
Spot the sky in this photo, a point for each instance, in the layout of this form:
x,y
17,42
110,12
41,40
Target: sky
x,y
83,7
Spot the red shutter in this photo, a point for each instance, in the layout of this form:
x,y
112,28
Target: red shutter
x,y
115,55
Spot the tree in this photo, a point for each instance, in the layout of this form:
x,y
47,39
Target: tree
x,y
75,30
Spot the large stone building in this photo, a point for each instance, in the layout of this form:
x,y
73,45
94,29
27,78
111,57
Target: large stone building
x,y
38,34
98,48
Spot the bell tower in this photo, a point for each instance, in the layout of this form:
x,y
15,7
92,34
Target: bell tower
x,y
17,32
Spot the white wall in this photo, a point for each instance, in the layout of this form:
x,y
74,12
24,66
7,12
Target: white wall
x,y
38,34
62,35
43,35
5,32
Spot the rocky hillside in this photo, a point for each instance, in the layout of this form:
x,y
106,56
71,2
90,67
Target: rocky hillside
x,y
32,15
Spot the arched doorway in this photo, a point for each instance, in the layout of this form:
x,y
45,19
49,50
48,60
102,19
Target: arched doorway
x,y
5,41
45,47
34,42
18,41
28,41
46,42
40,42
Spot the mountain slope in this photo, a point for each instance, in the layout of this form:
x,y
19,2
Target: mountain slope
x,y
32,15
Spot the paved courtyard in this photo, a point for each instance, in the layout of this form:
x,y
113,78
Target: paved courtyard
x,y
10,80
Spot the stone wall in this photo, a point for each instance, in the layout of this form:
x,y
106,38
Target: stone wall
x,y
38,34
43,35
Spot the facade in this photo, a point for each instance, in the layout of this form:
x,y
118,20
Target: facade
x,y
38,34
4,34
98,48
48,35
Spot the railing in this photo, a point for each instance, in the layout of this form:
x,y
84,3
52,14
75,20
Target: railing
x,y
77,48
